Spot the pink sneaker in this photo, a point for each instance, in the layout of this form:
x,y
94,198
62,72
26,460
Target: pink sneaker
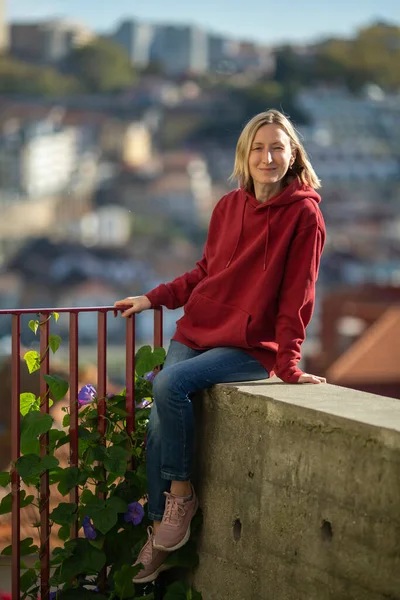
x,y
174,530
152,561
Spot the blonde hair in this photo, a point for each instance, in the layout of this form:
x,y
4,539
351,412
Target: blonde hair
x,y
301,167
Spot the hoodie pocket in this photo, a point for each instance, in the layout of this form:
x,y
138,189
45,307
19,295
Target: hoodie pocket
x,y
209,323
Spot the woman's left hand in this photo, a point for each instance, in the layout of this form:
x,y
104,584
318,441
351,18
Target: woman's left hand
x,y
308,378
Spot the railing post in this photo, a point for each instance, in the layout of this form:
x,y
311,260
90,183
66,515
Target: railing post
x,y
73,405
15,452
130,377
158,328
44,444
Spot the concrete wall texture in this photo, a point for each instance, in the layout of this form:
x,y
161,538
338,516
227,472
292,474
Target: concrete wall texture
x,y
300,491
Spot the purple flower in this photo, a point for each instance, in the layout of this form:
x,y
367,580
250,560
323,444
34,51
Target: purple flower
x,y
145,403
135,513
88,529
150,376
53,595
87,394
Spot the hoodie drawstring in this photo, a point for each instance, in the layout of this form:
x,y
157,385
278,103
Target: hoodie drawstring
x,y
266,240
240,233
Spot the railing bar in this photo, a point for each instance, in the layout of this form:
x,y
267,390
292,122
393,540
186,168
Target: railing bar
x,y
73,406
44,443
102,370
47,311
130,376
15,452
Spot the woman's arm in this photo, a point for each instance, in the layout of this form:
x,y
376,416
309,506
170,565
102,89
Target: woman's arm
x,y
296,301
177,292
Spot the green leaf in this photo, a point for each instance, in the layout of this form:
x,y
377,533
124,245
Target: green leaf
x,y
28,402
25,500
159,356
124,586
48,463
28,579
54,342
68,480
6,504
86,559
5,479
181,590
116,460
32,359
56,316
25,548
58,386
105,519
33,325
64,532
28,466
80,594
66,420
117,504
34,424
64,513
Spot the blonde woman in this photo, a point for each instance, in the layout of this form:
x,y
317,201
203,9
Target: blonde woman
x,y
247,304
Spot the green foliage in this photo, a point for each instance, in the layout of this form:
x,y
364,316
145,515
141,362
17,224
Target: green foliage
x,y
101,66
106,482
17,77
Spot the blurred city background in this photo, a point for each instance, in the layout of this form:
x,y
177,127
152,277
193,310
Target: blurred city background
x,y
118,127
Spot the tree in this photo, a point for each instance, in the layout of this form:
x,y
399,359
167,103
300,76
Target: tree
x,y
101,66
17,77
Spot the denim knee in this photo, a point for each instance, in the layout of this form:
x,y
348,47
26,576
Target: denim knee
x,y
165,385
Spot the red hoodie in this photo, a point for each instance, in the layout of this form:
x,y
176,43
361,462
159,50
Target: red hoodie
x,y
254,287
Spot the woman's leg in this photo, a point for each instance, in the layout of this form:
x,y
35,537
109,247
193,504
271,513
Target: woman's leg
x,y
172,389
156,485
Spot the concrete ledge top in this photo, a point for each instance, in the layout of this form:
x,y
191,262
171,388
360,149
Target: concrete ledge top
x,y
371,409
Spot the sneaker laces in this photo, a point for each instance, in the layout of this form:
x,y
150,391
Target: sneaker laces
x,y
146,553
174,510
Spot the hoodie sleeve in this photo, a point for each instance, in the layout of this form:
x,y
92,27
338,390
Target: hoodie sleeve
x,y
176,293
296,299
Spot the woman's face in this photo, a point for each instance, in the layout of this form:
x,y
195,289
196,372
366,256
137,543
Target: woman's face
x,y
270,155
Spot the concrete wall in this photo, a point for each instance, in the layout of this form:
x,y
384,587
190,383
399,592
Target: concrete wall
x,y
300,490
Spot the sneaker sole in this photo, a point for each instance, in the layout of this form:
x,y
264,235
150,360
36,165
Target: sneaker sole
x,y
179,544
152,576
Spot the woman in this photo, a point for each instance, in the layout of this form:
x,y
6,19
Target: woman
x,y
247,305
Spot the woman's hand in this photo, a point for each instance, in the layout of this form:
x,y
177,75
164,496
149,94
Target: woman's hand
x,y
308,378
132,304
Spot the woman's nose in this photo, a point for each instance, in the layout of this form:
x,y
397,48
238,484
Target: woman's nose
x,y
267,157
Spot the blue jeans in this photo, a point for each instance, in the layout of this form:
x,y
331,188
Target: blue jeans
x,y
170,435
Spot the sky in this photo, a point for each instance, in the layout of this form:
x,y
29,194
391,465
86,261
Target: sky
x,y
263,21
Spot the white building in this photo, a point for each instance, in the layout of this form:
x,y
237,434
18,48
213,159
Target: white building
x,y
4,39
180,49
39,159
136,39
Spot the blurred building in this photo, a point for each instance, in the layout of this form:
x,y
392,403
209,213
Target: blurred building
x,y
38,158
136,39
359,341
180,49
4,35
48,41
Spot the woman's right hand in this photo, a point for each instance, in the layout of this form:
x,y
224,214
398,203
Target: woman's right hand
x,y
132,304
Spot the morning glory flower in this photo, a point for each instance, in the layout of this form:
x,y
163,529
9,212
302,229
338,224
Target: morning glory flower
x,y
135,513
87,394
88,529
145,403
150,376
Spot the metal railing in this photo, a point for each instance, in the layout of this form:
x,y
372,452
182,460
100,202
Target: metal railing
x,y
44,330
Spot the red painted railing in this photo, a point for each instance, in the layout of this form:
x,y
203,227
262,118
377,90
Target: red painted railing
x,y
44,330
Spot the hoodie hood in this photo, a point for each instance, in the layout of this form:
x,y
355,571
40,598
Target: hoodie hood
x,y
292,193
